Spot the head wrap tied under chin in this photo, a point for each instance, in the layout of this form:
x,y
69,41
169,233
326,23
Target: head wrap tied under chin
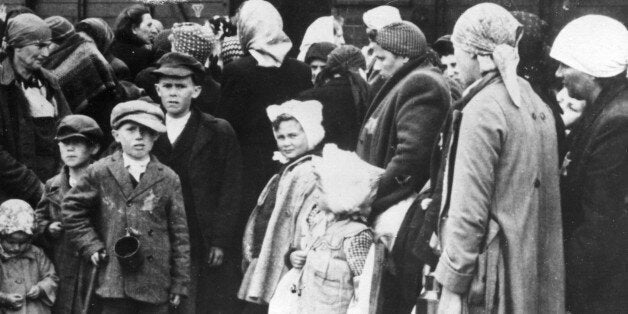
x,y
27,29
308,113
492,33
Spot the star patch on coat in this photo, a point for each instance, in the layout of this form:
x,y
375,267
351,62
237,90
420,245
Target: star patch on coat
x,y
370,125
149,202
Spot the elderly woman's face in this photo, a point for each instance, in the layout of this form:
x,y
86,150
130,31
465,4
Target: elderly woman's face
x,y
468,67
32,57
147,30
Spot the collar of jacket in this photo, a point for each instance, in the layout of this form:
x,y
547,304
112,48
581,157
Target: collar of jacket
x,y
61,180
29,253
418,63
153,175
475,88
7,75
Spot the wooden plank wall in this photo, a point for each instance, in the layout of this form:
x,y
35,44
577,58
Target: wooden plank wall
x,y
109,9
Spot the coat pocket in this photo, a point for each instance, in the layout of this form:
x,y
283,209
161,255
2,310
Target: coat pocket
x,y
483,290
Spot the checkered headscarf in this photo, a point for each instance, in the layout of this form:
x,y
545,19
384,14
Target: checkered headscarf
x,y
193,39
402,39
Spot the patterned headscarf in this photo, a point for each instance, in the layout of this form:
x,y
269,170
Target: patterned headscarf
x,y
260,28
16,215
193,39
492,33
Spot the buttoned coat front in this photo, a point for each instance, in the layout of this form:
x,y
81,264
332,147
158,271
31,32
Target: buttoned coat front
x,y
504,186
94,217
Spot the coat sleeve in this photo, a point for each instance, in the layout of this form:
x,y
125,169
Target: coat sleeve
x,y
421,107
179,242
482,132
226,214
596,249
48,280
19,181
77,210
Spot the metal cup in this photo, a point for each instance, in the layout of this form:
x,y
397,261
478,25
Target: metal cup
x,y
127,251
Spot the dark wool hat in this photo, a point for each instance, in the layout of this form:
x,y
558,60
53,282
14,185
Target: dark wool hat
x,y
319,51
60,27
402,39
346,57
443,46
178,64
78,125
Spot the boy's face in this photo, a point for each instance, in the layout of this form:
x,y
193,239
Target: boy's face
x,y
136,140
76,152
15,243
291,139
176,94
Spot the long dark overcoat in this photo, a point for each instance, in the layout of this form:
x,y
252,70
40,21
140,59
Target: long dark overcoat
x,y
595,201
20,176
94,217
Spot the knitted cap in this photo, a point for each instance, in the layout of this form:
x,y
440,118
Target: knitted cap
x,y
60,27
231,49
402,39
16,215
319,51
193,39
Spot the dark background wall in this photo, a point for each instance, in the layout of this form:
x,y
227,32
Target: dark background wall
x,y
434,17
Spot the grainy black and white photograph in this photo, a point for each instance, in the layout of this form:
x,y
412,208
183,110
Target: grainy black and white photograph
x,y
313,157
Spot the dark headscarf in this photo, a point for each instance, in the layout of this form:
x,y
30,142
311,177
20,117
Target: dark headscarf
x,y
319,51
99,31
346,61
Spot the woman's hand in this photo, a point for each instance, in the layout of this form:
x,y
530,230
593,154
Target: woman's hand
x,y
449,303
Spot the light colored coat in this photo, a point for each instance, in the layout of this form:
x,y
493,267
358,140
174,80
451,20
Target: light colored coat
x,y
505,195
296,191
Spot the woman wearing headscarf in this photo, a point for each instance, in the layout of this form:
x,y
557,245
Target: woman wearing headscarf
x,y
500,228
265,76
83,71
324,29
286,200
135,32
102,35
344,94
31,104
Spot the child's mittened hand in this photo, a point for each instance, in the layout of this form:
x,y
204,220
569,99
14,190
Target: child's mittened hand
x,y
14,301
175,300
33,293
55,229
297,258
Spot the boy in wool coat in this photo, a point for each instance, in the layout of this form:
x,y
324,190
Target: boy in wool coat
x,y
131,193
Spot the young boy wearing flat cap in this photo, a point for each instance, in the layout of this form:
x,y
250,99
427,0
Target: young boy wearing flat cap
x,y
78,137
204,152
130,194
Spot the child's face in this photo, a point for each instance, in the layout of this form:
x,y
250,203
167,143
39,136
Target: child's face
x,y
15,243
136,140
76,152
176,94
291,139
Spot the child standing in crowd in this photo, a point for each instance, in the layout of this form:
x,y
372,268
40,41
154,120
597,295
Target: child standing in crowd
x,y
271,227
339,239
28,284
132,195
78,137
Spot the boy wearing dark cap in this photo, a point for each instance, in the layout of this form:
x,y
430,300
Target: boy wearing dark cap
x,y
78,137
204,152
130,194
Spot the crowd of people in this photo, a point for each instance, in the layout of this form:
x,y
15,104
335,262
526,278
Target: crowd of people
x,y
200,169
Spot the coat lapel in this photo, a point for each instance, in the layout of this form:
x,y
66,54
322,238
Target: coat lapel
x,y
120,174
203,135
153,175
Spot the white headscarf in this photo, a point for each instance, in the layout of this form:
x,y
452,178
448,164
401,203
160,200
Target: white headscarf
x,y
381,16
308,113
321,30
260,28
349,183
594,44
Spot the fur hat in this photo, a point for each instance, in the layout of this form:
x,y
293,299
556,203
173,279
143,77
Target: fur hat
x,y
349,183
